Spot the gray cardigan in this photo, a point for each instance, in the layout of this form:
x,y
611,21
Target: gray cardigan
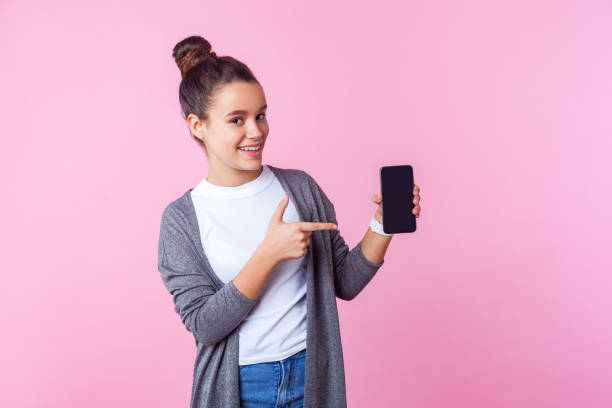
x,y
212,310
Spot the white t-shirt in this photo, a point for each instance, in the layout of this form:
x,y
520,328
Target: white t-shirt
x,y
233,221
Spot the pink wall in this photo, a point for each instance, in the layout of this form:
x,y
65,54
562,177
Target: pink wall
x,y
500,299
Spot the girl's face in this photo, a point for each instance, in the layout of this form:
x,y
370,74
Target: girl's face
x,y
237,118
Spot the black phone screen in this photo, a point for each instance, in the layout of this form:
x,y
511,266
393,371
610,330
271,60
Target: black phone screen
x,y
396,187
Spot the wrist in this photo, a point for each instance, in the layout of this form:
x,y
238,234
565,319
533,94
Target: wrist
x,y
265,252
377,227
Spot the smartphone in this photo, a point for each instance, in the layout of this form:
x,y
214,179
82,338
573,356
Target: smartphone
x,y
396,187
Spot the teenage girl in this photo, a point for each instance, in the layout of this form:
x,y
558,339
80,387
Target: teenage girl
x,y
234,253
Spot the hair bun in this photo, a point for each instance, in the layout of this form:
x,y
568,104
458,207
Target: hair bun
x,y
190,52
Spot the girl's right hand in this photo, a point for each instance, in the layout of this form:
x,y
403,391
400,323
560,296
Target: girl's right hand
x,y
290,239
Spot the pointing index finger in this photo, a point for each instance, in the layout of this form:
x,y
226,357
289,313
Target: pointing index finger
x,y
314,226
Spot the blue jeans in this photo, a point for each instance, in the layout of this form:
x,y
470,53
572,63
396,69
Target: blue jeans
x,y
276,384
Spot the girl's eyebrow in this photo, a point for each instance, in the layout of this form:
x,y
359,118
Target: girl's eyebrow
x,y
243,111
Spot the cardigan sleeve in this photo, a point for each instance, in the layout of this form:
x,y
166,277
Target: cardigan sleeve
x,y
352,270
209,314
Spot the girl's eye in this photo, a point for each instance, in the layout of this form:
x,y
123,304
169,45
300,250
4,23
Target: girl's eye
x,y
235,119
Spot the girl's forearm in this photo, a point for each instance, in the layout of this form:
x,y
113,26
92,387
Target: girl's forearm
x,y
374,246
252,277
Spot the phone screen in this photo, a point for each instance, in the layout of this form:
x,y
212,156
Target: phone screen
x,y
396,187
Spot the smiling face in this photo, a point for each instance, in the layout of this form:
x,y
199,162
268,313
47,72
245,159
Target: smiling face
x,y
236,118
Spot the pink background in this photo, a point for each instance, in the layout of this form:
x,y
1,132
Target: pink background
x,y
502,297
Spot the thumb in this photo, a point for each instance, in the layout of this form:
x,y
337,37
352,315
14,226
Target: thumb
x,y
280,210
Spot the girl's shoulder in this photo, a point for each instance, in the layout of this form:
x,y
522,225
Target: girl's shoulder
x,y
178,211
292,175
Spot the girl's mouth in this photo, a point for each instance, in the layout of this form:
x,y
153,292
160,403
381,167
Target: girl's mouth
x,y
251,152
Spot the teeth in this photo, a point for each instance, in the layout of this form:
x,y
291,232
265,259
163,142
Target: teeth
x,y
250,148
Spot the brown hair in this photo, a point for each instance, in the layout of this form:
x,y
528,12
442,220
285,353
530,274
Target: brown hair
x,y
203,73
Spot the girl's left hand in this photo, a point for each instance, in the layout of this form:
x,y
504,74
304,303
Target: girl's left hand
x,y
377,198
